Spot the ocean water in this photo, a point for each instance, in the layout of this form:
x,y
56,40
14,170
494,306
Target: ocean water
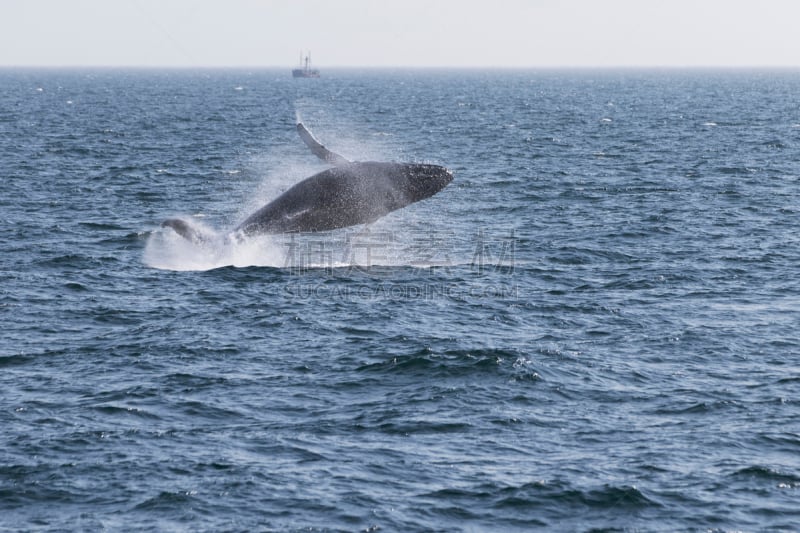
x,y
594,327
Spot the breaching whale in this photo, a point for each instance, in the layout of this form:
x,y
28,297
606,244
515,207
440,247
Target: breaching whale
x,y
348,194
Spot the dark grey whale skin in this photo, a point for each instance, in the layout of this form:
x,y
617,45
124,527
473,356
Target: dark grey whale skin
x,y
348,194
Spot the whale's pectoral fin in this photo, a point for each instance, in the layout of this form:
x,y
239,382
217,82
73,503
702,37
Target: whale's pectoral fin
x,y
318,149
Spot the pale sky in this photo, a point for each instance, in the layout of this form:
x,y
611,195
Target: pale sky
x,y
401,33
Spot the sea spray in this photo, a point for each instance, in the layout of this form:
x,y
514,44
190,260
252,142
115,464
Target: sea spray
x,y
167,250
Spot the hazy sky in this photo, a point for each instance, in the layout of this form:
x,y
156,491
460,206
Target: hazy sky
x,y
459,33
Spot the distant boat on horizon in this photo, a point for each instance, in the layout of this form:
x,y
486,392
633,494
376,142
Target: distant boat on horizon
x,y
305,70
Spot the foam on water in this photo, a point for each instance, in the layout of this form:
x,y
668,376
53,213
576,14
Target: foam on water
x,y
166,250
389,244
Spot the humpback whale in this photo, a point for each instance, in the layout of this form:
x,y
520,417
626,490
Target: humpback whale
x,y
348,194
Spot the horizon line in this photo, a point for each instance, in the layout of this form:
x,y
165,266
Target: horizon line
x,y
181,66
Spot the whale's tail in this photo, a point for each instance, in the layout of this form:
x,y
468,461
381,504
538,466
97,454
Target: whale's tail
x,y
188,231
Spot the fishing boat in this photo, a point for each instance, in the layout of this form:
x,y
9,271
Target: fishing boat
x,y
305,70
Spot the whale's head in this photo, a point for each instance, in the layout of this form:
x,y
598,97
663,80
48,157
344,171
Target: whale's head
x,y
424,180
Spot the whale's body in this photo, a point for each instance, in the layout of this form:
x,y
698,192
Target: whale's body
x,y
348,194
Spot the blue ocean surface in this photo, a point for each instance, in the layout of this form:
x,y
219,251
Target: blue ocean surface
x,y
594,327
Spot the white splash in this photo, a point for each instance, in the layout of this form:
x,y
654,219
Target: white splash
x,y
166,250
